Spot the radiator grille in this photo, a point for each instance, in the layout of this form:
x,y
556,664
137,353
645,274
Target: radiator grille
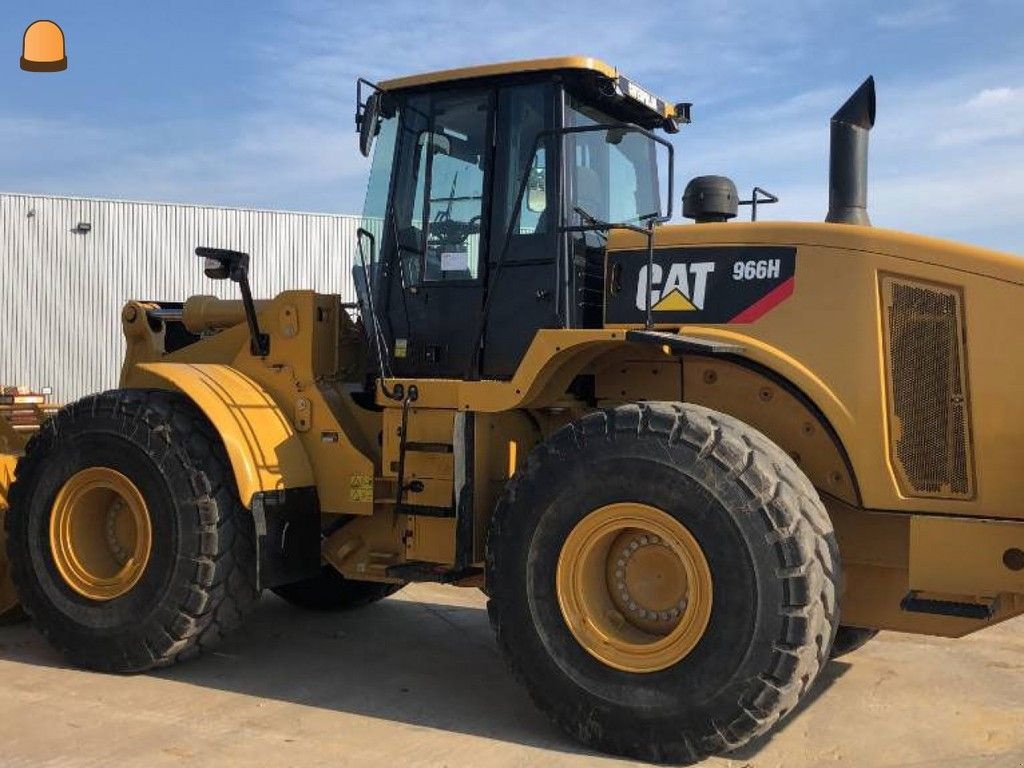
x,y
929,407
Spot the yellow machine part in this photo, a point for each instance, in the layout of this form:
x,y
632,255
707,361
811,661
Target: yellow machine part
x,y
265,451
296,425
8,597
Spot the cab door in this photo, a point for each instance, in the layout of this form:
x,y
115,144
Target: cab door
x,y
436,299
525,234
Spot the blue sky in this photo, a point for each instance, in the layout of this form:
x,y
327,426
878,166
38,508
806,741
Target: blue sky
x,y
250,103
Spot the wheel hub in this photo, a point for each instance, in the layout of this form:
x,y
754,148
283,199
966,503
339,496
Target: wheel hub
x,y
634,587
100,533
647,581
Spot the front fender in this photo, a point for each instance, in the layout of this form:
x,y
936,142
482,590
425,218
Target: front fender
x,y
265,452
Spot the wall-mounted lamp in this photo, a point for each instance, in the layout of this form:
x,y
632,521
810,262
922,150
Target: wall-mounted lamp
x,y
82,228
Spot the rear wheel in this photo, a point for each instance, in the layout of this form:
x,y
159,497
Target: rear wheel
x,y
127,541
663,580
330,591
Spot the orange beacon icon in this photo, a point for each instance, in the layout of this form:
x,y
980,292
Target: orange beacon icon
x,y
43,48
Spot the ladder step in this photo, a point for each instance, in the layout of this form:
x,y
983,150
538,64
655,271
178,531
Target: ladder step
x,y
914,604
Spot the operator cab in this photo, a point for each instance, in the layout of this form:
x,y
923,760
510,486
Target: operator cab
x,y
490,196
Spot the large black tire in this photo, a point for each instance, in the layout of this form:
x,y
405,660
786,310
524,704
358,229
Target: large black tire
x,y
850,639
201,577
330,591
772,556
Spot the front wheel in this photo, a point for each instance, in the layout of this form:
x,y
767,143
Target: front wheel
x,y
127,541
663,580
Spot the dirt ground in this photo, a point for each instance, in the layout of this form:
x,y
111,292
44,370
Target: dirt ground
x,y
417,680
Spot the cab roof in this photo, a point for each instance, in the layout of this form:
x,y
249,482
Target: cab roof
x,y
555,63
502,68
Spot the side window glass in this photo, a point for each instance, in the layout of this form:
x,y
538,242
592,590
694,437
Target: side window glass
x,y
411,180
522,113
624,205
376,202
454,154
614,176
535,201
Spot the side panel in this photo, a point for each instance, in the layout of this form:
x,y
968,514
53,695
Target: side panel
x,y
964,556
265,451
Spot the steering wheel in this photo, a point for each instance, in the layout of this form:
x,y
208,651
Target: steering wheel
x,y
447,230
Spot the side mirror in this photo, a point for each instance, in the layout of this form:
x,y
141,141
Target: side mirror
x,y
222,264
369,123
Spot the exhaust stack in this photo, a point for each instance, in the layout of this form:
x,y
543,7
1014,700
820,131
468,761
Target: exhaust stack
x,y
848,158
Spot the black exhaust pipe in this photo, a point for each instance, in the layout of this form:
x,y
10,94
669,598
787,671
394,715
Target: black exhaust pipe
x,y
848,158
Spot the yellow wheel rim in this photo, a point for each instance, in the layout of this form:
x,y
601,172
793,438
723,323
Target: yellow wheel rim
x,y
634,587
100,533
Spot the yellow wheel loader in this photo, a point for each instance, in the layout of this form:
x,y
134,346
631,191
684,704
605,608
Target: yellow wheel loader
x,y
685,462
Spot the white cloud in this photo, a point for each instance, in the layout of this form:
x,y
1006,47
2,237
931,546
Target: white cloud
x,y
918,15
995,97
992,114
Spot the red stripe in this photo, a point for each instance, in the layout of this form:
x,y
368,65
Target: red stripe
x,y
766,303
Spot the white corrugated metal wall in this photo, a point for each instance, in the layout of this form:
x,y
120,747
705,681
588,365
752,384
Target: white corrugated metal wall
x,y
61,291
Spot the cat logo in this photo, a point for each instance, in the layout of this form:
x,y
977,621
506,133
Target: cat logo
x,y
683,290
697,284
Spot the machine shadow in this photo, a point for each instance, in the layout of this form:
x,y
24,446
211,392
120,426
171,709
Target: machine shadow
x,y
425,664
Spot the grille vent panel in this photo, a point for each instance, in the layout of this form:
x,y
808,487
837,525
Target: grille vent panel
x,y
928,395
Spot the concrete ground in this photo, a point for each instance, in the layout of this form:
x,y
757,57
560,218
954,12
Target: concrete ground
x,y
417,680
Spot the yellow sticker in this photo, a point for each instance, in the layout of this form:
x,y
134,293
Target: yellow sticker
x,y
361,488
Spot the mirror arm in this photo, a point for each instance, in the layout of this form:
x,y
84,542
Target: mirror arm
x,y
259,343
649,323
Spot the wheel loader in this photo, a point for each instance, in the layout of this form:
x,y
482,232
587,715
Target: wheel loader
x,y
686,462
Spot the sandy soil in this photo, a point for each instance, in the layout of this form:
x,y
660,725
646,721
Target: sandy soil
x,y
417,680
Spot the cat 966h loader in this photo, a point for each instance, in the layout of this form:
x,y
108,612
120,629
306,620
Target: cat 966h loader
x,y
686,463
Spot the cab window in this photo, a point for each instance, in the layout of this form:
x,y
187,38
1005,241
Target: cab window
x,y
450,169
614,175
